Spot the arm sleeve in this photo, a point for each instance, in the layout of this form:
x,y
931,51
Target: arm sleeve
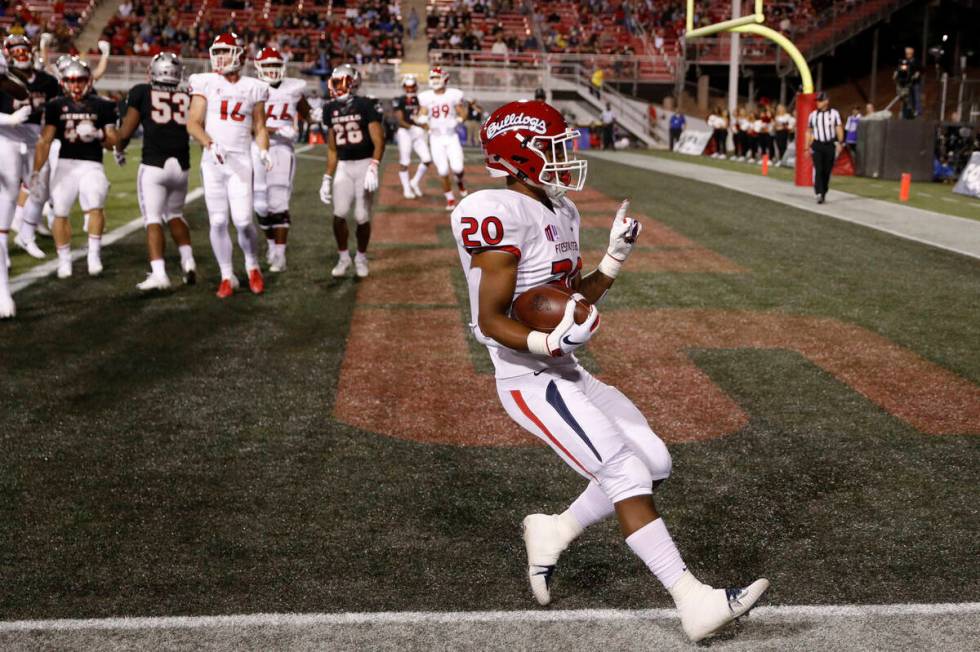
x,y
262,92
135,99
50,114
490,226
107,114
198,85
371,113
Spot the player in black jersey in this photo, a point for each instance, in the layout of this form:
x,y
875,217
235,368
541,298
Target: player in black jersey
x,y
83,122
410,136
161,183
16,160
355,145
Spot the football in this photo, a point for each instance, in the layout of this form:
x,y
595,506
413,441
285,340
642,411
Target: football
x,y
541,308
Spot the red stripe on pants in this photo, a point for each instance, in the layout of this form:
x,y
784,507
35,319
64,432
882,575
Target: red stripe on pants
x,y
519,400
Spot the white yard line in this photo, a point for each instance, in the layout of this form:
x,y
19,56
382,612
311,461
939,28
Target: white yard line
x,y
38,272
455,617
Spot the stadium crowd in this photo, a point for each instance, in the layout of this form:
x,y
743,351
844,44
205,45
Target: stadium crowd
x,y
57,18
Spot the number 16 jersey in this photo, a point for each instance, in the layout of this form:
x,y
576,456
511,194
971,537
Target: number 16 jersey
x,y
163,115
228,119
349,120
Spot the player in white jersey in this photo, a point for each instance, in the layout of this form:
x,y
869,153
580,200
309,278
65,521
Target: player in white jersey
x,y
11,121
410,136
287,99
443,109
514,239
226,108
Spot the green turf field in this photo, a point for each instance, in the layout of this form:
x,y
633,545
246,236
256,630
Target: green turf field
x,y
178,455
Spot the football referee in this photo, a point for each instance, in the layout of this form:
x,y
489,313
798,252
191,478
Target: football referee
x,y
824,137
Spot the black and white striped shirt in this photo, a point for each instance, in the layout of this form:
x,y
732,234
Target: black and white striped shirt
x,y
824,125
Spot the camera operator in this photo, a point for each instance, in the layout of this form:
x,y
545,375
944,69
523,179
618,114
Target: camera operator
x,y
908,83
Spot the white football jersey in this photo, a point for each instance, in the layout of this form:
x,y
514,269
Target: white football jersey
x,y
280,108
228,119
442,110
545,243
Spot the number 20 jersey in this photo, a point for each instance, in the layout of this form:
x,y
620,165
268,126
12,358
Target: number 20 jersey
x,y
163,115
544,242
228,120
349,120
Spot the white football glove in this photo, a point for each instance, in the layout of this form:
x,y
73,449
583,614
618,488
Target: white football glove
x,y
120,156
567,335
217,152
19,116
316,114
266,159
105,47
622,237
87,132
326,190
287,131
371,176
35,187
421,120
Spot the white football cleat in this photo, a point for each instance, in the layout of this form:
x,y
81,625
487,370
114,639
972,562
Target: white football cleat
x,y
361,266
278,263
154,282
544,543
94,266
342,267
416,188
64,269
7,307
29,246
408,193
705,610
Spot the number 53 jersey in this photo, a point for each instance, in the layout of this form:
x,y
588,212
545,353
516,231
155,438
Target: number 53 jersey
x,y
349,120
545,243
228,119
163,115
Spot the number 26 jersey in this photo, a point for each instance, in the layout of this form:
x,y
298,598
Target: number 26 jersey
x,y
163,115
349,120
228,119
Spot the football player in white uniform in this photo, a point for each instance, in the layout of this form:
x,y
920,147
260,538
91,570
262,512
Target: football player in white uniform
x,y
84,123
287,99
355,145
526,235
410,136
160,106
10,140
443,109
226,108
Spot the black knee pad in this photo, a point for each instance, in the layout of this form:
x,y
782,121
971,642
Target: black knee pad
x,y
266,222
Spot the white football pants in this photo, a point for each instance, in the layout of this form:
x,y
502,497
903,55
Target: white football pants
x,y
78,179
447,153
349,194
161,191
410,139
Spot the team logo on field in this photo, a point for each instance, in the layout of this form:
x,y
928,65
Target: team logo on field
x,y
515,121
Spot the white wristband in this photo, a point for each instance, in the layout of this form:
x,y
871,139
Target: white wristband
x,y
609,266
537,343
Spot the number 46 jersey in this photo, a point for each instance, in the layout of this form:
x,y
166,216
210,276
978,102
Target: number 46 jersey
x,y
163,116
280,108
349,120
545,243
228,119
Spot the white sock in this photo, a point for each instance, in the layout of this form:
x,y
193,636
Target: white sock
x,y
403,175
248,240
420,172
18,222
27,231
4,289
653,545
361,255
186,254
281,249
94,246
64,254
157,267
450,195
3,245
592,506
343,253
221,243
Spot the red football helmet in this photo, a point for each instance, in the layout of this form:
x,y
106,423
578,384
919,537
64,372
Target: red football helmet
x,y
270,65
438,78
529,140
227,54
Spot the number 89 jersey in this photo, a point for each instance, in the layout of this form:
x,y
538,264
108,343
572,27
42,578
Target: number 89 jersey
x,y
228,119
163,115
544,242
349,120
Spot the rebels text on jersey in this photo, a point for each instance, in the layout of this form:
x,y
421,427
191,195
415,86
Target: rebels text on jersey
x,y
65,115
408,105
349,120
43,88
442,110
228,119
163,115
280,108
545,243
